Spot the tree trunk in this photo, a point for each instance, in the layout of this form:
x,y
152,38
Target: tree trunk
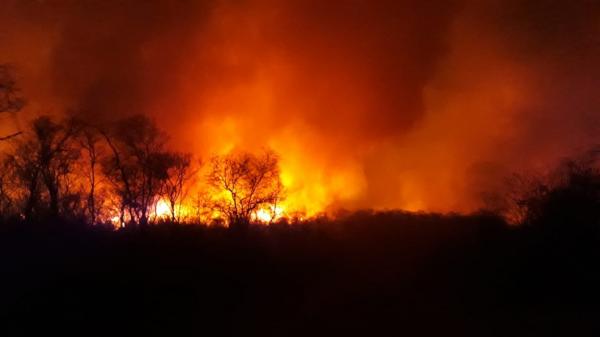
x,y
31,199
53,192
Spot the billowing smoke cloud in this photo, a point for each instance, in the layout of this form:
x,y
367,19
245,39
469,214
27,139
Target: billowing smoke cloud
x,y
384,104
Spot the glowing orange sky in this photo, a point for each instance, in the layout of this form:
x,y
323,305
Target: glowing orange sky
x,y
386,104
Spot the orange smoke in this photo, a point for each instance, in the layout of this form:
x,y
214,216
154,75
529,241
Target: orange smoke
x,y
385,104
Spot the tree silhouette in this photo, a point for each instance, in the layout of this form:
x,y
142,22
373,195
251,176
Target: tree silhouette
x,y
244,183
43,162
179,173
10,99
7,196
567,200
89,141
139,165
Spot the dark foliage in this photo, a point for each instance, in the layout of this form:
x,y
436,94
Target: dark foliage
x,y
567,202
364,274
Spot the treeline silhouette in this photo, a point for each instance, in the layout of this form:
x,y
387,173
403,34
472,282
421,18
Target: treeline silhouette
x,y
355,274
364,273
526,267
118,172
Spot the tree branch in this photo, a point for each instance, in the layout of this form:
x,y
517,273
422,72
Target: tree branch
x,y
10,136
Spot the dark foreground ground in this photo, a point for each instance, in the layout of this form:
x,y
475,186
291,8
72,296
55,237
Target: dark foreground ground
x,y
368,274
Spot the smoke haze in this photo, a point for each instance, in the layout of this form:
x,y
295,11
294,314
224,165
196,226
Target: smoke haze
x,y
370,104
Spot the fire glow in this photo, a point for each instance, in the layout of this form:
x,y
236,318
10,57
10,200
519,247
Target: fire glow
x,y
369,104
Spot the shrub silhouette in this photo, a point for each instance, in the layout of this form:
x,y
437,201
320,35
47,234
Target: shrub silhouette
x,y
243,183
569,202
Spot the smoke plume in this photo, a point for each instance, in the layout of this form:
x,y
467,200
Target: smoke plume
x,y
423,105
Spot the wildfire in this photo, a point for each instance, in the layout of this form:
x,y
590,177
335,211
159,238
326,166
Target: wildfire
x,y
269,214
162,209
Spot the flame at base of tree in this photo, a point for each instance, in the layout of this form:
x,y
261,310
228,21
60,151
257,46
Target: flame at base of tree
x,y
123,173
186,213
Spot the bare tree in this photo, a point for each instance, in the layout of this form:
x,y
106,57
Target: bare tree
x,y
89,140
179,173
138,167
117,173
244,183
10,99
278,196
43,161
7,196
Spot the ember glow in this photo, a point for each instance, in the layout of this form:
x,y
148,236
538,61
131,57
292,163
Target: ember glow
x,y
384,104
162,209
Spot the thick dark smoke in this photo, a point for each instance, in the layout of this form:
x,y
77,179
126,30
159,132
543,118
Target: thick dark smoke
x,y
416,104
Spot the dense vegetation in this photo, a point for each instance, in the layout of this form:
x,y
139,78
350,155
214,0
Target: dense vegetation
x,y
362,274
